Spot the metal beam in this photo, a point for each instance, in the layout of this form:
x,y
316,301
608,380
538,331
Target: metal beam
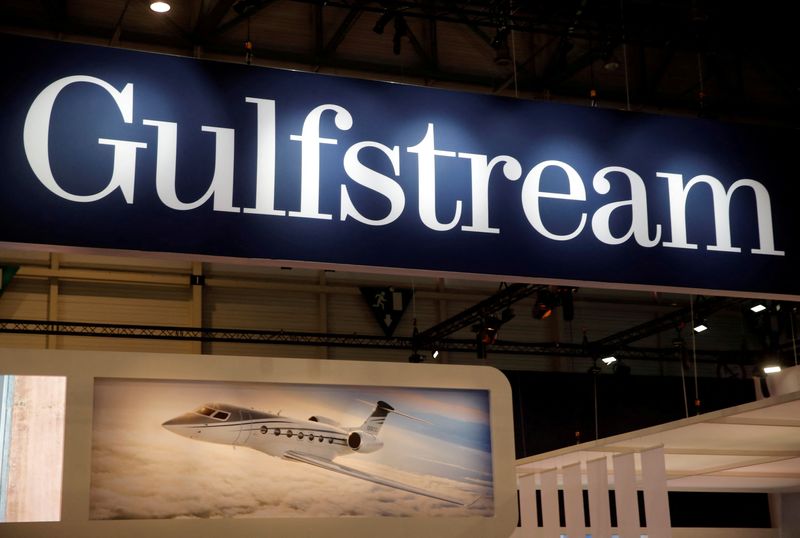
x,y
210,21
167,21
702,308
341,32
236,21
500,300
243,336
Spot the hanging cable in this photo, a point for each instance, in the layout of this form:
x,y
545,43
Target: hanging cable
x,y
118,26
794,341
248,46
701,94
694,357
625,56
513,52
596,422
678,344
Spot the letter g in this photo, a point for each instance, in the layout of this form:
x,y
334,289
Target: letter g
x,y
36,140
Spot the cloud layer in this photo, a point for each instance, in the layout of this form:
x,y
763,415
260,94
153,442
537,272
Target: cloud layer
x,y
142,471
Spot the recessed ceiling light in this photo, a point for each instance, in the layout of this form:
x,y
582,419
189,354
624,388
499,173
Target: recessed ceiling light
x,y
609,360
758,308
160,7
772,369
700,328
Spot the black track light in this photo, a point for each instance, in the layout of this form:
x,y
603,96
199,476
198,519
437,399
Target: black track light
x,y
381,23
543,307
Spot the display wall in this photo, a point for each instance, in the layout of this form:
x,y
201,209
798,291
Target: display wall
x,y
435,457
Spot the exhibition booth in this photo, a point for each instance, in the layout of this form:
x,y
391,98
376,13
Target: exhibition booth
x,y
123,153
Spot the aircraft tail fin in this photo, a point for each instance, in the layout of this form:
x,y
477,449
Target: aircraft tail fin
x,y
378,417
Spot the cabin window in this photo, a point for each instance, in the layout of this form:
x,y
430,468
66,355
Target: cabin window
x,y
300,435
310,436
321,438
221,415
277,431
289,433
264,430
207,411
330,440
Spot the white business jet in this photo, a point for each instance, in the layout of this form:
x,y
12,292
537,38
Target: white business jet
x,y
316,441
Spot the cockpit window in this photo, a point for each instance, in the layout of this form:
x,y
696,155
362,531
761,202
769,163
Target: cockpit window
x,y
213,413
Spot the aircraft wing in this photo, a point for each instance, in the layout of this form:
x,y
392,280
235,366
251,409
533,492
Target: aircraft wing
x,y
349,471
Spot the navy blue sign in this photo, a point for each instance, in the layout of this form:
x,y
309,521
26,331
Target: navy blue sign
x,y
116,149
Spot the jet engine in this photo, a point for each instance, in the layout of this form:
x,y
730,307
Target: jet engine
x,y
360,441
323,420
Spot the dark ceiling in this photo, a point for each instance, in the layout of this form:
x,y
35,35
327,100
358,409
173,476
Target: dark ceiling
x,y
726,60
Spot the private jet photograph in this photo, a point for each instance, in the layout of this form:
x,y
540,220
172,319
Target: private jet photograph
x,y
202,449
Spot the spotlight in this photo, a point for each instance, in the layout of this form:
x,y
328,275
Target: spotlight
x,y
543,307
700,327
245,8
502,56
381,23
487,334
567,304
771,369
160,7
608,361
500,37
758,308
620,368
611,64
435,353
400,30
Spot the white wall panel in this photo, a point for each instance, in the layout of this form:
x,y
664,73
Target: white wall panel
x,y
120,303
17,256
24,299
260,309
94,302
351,314
126,263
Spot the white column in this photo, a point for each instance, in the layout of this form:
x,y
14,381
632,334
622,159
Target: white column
x,y
573,501
625,493
527,507
599,509
550,523
654,485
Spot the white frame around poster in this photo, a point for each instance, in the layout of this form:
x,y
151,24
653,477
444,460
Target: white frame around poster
x,y
82,367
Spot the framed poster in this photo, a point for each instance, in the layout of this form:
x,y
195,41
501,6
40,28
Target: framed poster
x,y
182,445
173,449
